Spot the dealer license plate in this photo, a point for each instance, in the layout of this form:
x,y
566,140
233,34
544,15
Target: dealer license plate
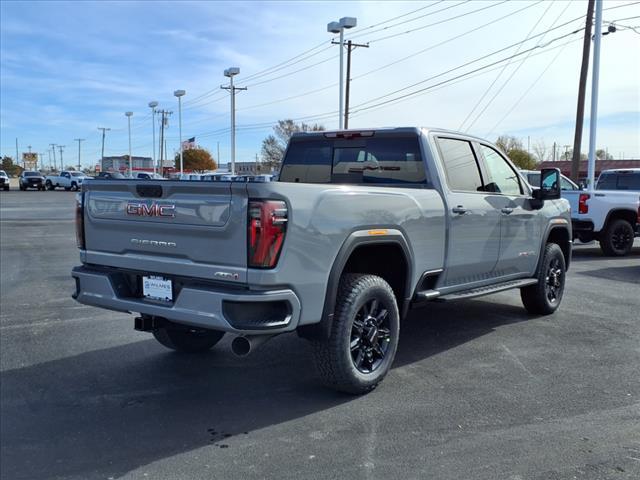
x,y
157,288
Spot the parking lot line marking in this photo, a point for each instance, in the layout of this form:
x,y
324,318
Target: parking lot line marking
x,y
517,360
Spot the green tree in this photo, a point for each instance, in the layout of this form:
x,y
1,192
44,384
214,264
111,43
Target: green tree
x,y
196,159
10,167
515,151
274,145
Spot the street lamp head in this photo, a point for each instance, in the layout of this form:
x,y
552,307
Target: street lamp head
x,y
179,93
153,104
348,22
231,71
128,114
333,27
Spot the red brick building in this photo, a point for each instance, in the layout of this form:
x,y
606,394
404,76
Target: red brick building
x,y
565,166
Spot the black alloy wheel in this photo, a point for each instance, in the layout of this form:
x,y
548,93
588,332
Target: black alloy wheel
x,y
617,239
554,281
370,336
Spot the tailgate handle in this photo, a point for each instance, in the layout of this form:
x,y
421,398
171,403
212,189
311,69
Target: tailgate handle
x,y
149,191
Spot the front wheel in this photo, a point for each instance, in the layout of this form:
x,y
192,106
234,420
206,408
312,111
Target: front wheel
x,y
186,340
74,186
544,297
617,240
49,185
364,336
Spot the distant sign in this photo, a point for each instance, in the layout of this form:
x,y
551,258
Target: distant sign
x,y
98,167
30,160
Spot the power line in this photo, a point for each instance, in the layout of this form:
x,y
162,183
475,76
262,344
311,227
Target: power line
x,y
526,91
410,94
482,97
477,60
513,73
439,22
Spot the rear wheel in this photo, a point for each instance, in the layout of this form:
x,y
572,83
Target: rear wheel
x,y
22,188
186,340
74,186
49,185
617,240
364,336
545,296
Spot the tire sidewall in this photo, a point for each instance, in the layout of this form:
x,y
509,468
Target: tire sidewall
x,y
609,237
553,251
345,324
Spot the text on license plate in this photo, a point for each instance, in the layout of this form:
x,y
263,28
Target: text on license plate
x,y
157,288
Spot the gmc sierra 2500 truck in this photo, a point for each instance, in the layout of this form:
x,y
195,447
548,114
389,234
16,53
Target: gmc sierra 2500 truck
x,y
360,227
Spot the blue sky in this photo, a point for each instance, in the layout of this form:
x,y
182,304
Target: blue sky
x,y
68,67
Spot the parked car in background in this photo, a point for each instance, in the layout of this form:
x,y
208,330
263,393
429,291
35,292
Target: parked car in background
x,y
621,179
148,176
4,180
533,177
67,179
31,179
110,176
261,178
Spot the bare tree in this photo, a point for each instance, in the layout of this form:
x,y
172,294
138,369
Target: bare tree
x,y
274,145
540,150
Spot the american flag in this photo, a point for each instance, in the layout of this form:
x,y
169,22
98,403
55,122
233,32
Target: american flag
x,y
189,144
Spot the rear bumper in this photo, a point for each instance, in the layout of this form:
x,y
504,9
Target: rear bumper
x,y
199,305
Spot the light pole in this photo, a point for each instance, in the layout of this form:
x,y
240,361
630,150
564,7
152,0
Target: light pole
x,y
153,106
231,72
129,114
595,78
339,27
180,94
55,163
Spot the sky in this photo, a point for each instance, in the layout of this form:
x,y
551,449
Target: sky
x,y
67,68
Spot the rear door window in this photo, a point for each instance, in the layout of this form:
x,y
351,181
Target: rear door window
x,y
460,165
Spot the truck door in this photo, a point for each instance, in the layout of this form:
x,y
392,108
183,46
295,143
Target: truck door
x,y
521,226
473,235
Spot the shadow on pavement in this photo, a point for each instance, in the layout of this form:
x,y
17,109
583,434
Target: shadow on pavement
x,y
106,412
628,274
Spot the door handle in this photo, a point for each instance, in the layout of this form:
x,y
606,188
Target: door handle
x,y
460,210
507,210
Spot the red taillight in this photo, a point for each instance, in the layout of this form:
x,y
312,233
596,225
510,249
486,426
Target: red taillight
x,y
582,203
266,230
80,220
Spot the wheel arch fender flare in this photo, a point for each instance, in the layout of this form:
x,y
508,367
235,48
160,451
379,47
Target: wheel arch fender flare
x,y
356,239
557,224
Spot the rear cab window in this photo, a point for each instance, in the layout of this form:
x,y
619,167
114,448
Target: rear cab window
x,y
377,158
619,181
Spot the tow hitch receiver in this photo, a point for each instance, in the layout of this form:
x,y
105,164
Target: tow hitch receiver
x,y
147,323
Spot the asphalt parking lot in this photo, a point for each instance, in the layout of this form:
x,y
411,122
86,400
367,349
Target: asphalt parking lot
x,y
479,389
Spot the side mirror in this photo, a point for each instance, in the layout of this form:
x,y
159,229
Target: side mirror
x,y
549,184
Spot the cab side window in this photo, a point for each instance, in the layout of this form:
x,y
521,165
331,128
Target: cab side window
x,y
503,179
460,165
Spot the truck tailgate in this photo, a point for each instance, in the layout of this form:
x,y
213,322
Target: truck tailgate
x,y
178,228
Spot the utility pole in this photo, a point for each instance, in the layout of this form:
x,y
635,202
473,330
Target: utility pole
x,y
584,68
350,46
60,147
49,154
104,130
554,152
17,155
29,147
218,157
566,152
231,72
79,140
595,78
53,147
40,155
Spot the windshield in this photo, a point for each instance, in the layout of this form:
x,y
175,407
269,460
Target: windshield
x,y
31,174
619,181
2,173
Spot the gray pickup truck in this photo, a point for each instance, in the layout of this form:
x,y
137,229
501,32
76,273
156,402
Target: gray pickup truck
x,y
360,227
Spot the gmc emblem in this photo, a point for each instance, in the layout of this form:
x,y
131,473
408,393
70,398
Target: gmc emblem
x,y
153,210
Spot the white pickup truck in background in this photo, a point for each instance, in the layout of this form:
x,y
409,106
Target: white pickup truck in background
x,y
610,213
68,179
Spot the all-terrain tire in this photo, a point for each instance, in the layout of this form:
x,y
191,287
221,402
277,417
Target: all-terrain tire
x,y
187,341
335,358
617,239
544,297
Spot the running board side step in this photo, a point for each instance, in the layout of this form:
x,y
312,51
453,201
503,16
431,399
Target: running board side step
x,y
488,290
